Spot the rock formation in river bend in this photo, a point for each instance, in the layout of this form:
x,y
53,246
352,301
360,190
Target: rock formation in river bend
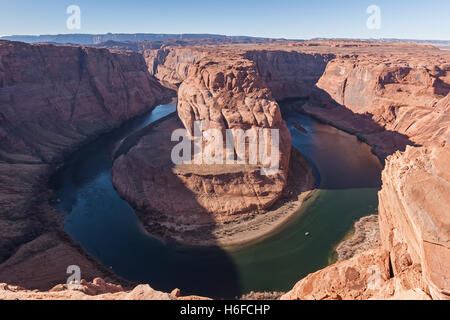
x,y
53,99
225,92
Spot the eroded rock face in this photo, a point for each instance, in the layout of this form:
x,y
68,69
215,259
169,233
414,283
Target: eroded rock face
x,y
289,74
409,97
52,99
414,212
171,66
352,279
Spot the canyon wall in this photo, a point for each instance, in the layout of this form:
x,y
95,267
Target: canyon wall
x,y
289,74
53,99
409,97
171,65
414,211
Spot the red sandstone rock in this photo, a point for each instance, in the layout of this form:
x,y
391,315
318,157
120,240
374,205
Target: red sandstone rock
x,y
414,214
225,93
365,276
176,293
171,66
357,278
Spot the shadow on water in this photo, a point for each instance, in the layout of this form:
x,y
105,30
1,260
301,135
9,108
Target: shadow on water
x,y
108,228
340,160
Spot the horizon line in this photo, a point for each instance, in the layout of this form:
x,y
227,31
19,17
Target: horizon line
x,y
215,34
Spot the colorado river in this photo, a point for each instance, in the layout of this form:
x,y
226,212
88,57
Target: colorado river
x,y
107,227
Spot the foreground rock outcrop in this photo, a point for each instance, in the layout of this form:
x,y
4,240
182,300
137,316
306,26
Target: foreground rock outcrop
x,y
365,276
98,289
53,99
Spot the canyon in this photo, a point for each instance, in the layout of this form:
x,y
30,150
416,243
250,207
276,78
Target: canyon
x,y
395,97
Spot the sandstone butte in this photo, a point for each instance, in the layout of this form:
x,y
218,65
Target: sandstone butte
x,y
395,97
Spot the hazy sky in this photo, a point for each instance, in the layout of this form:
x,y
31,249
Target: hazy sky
x,y
295,19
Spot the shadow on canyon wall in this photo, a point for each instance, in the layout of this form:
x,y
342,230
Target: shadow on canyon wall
x,y
293,77
340,161
289,74
383,142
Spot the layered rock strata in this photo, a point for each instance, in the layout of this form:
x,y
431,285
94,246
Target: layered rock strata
x,y
171,66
